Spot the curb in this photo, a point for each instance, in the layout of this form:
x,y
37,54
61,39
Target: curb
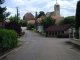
x,y
6,54
11,51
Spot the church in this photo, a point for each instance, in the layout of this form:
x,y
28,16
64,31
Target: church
x,y
56,13
29,17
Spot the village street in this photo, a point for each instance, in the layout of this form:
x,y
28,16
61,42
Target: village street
x,y
37,47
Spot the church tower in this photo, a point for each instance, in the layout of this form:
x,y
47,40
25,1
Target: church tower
x,y
57,9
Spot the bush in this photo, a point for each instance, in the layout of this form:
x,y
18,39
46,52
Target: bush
x,y
59,36
8,40
30,26
66,35
14,26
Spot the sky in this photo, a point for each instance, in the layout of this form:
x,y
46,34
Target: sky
x,y
67,7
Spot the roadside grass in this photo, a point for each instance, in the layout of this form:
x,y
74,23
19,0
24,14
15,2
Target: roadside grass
x,y
43,34
33,30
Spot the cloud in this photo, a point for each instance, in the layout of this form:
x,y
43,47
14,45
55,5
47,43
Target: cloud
x,y
11,10
66,6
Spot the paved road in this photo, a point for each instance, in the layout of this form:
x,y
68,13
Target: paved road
x,y
37,47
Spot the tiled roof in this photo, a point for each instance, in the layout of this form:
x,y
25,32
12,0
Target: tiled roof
x,y
50,14
59,27
31,21
58,18
28,16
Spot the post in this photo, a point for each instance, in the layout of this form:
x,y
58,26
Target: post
x,y
51,33
79,32
73,32
17,14
69,33
54,33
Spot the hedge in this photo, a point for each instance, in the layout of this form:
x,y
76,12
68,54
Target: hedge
x,y
8,40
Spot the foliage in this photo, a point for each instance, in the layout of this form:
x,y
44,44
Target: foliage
x,y
23,23
36,15
2,1
14,18
65,35
20,21
30,26
13,26
8,40
77,18
3,12
41,13
47,21
67,20
33,30
43,34
11,18
59,36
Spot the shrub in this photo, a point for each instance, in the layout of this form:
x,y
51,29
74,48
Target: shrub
x,y
59,36
13,26
8,40
66,35
30,26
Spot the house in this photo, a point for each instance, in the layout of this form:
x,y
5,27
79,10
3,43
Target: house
x,y
28,16
60,29
31,21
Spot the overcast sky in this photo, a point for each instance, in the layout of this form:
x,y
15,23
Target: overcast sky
x,y
67,7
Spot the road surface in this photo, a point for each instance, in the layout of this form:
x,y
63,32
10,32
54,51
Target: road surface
x,y
37,47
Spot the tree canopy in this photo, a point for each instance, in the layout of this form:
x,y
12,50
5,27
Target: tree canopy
x,y
3,13
77,18
20,21
41,13
14,18
48,21
67,20
2,1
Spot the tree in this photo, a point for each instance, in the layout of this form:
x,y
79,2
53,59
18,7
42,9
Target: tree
x,y
12,25
3,14
23,23
48,21
77,18
14,18
30,26
36,15
67,20
2,1
20,21
11,18
41,13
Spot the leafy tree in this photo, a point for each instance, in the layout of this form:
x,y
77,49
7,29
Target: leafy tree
x,y
67,20
11,18
41,13
23,23
77,18
47,21
36,15
3,14
20,21
2,1
14,18
30,26
12,25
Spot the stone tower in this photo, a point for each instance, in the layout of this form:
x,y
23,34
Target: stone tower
x,y
57,9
